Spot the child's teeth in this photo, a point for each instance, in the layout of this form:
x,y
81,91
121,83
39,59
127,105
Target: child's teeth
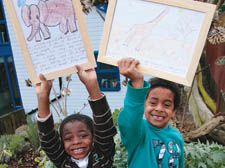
x,y
158,117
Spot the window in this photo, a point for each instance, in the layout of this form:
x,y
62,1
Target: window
x,y
6,104
108,76
1,12
13,81
3,35
9,89
3,30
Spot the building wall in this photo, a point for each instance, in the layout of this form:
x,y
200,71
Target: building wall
x,y
79,95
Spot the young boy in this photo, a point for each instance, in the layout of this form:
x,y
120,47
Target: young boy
x,y
81,142
150,142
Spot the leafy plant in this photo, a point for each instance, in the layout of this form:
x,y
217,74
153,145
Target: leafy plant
x,y
5,155
115,116
43,161
11,146
202,155
120,158
4,166
32,132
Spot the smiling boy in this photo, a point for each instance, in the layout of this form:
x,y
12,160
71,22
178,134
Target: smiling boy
x,y
150,142
82,135
81,142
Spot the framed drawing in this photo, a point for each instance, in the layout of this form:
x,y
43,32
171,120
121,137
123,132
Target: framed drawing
x,y
166,36
52,35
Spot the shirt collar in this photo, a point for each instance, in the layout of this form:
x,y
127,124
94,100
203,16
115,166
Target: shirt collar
x,y
82,163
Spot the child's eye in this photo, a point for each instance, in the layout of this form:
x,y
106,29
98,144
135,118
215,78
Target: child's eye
x,y
83,136
167,105
68,139
153,103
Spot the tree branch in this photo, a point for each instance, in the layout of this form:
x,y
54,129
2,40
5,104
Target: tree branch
x,y
205,128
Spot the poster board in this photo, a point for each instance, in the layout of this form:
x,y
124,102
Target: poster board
x,y
166,36
52,35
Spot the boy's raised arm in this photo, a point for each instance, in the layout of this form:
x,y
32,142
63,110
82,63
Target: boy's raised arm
x,y
103,123
130,119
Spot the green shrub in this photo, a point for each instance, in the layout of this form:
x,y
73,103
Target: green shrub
x,y
120,158
115,116
32,132
11,146
200,155
43,161
4,166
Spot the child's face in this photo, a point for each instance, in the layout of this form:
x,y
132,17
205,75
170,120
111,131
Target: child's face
x,y
159,106
77,139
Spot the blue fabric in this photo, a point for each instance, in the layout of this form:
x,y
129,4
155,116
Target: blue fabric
x,y
147,146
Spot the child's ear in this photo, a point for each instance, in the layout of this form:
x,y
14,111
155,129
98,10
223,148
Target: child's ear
x,y
174,112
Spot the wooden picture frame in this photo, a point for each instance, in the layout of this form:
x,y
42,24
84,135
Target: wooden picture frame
x,y
52,35
166,36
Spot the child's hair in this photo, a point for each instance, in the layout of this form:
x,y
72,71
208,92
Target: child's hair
x,y
78,117
157,82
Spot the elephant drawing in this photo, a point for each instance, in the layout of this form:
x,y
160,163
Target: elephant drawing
x,y
46,14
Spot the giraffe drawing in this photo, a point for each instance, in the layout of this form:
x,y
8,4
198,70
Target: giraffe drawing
x,y
142,31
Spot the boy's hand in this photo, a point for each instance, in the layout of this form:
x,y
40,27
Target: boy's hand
x,y
89,79
43,91
128,68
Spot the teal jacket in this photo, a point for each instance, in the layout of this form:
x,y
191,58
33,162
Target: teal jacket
x,y
146,145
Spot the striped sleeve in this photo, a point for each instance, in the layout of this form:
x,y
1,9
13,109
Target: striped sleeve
x,y
103,123
51,142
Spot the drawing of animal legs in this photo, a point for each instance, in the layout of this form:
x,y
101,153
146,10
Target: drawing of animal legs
x,y
45,31
72,23
63,26
37,36
31,17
